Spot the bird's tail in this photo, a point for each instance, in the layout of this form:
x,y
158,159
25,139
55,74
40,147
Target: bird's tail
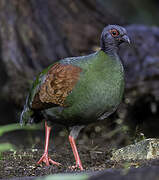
x,y
29,116
26,116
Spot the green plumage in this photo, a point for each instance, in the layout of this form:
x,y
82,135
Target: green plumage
x,y
97,93
77,91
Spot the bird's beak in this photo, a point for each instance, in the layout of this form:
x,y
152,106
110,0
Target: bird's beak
x,y
125,38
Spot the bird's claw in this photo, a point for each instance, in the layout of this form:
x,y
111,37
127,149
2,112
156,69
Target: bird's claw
x,y
77,166
47,160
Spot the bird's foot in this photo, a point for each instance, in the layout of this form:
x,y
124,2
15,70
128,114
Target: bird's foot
x,y
77,166
47,160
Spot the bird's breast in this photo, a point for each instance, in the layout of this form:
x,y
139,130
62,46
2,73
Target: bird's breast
x,y
98,91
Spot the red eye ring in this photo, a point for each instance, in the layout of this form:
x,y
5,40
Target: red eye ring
x,y
114,32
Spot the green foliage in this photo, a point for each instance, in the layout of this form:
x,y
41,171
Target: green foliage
x,y
13,127
5,147
65,177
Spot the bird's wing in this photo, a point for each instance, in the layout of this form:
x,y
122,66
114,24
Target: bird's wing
x,y
54,86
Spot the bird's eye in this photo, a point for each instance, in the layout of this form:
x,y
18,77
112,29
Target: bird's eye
x,y
114,32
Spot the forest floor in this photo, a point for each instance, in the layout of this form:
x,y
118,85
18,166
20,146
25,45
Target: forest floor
x,y
94,152
23,163
30,146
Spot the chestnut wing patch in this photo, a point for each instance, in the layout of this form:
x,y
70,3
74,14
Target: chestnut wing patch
x,y
59,82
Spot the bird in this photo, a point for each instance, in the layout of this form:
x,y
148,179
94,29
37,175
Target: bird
x,y
77,91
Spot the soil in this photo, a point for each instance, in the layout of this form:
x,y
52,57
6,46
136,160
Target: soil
x,y
23,163
94,150
20,163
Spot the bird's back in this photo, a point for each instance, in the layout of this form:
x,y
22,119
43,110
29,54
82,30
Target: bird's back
x,y
85,89
96,94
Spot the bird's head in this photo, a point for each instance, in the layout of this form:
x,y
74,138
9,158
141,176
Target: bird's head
x,y
111,37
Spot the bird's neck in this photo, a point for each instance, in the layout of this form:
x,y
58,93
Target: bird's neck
x,y
110,50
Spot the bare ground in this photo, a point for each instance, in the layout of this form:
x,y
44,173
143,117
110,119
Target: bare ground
x,y
94,150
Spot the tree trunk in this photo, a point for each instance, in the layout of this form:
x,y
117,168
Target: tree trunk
x,y
35,33
141,63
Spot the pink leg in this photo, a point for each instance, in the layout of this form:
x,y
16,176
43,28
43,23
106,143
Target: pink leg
x,y
75,152
45,158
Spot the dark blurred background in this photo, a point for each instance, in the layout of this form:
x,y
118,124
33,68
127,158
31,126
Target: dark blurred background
x,y
36,33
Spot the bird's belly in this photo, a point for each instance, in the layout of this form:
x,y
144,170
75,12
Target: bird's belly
x,y
96,95
94,102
